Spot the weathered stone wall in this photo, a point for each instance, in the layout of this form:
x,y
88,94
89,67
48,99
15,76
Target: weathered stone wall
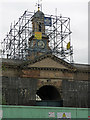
x,y
54,82
21,84
44,73
19,91
80,75
75,93
11,72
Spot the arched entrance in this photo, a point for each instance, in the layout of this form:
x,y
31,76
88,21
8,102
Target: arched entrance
x,y
49,96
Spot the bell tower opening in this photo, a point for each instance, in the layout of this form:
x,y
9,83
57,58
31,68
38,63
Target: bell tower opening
x,y
38,22
49,96
40,27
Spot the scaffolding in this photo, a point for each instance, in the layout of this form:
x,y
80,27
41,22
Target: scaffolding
x,y
16,45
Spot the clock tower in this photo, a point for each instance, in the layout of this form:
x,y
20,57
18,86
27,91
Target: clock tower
x,y
38,42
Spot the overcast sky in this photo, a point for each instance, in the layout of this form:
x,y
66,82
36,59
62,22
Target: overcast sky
x,y
77,10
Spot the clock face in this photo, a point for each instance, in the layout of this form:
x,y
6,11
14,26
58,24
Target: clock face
x,y
41,44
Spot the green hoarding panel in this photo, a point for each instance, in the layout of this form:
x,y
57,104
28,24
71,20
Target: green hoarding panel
x,y
43,112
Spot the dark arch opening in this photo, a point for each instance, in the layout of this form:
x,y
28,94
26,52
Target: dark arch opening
x,y
40,27
49,92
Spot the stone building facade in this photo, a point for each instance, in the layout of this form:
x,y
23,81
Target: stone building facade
x,y
44,79
54,81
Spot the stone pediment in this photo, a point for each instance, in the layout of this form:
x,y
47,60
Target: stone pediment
x,y
49,61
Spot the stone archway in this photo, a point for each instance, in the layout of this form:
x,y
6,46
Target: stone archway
x,y
48,92
49,96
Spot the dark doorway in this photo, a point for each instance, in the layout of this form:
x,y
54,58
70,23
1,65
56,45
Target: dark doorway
x,y
48,93
49,96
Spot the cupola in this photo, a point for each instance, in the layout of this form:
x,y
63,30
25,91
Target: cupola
x,y
38,22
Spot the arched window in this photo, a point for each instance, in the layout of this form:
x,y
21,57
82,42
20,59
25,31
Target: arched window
x,y
40,27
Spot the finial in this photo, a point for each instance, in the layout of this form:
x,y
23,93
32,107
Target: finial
x,y
39,5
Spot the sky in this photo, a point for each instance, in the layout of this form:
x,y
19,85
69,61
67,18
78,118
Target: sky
x,y
77,10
